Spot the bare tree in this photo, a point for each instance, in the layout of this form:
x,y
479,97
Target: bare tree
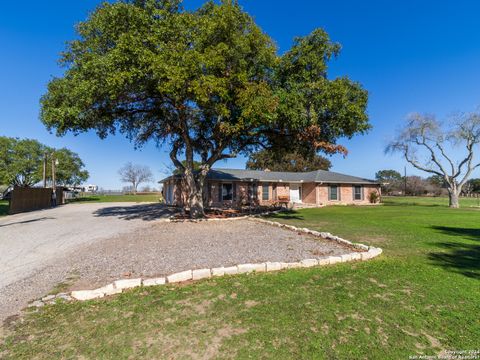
x,y
135,175
425,141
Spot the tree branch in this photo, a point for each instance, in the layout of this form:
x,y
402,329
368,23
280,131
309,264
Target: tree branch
x,y
418,166
173,156
432,155
468,159
442,151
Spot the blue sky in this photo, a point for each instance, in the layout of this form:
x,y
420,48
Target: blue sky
x,y
410,55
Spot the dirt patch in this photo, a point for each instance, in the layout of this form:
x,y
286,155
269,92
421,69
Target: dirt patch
x,y
251,303
382,335
374,281
213,348
433,341
377,239
199,308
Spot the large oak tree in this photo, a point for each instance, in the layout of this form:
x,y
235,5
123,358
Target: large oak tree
x,y
429,145
207,83
287,161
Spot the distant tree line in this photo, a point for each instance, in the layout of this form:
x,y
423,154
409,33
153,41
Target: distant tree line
x,y
393,183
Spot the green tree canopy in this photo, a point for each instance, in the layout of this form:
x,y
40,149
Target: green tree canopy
x,y
437,180
70,168
388,176
21,163
390,180
472,186
196,167
287,161
208,83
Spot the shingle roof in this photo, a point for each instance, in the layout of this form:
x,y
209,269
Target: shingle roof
x,y
319,176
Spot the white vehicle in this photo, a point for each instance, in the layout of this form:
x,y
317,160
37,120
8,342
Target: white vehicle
x,y
90,188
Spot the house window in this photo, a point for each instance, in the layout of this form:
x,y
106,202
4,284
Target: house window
x,y
265,190
333,192
252,192
357,192
227,192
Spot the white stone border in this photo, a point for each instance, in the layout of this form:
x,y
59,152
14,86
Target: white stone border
x,y
118,286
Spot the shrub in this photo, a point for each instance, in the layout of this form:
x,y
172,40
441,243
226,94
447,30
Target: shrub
x,y
374,197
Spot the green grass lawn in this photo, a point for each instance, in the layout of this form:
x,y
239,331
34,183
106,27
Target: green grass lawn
x,y
432,201
3,207
421,296
118,198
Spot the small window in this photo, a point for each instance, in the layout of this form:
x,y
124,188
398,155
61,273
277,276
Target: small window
x,y
265,190
333,192
252,192
227,192
357,193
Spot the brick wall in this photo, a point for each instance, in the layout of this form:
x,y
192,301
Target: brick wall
x,y
240,196
346,194
283,190
309,195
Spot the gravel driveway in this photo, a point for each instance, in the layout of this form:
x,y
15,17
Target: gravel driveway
x,y
114,241
35,241
164,248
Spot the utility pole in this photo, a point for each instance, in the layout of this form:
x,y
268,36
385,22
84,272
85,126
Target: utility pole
x,y
45,170
53,172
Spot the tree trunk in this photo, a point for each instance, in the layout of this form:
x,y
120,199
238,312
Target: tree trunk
x,y
196,205
195,194
453,195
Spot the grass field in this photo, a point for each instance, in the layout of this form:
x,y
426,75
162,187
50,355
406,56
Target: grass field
x,y
422,296
3,207
118,198
432,201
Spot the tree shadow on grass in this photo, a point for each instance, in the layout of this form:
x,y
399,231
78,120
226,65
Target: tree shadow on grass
x,y
84,199
146,212
285,215
412,203
459,257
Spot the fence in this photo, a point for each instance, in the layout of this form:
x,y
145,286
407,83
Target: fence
x,y
28,199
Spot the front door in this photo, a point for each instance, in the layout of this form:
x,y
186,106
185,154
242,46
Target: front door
x,y
295,193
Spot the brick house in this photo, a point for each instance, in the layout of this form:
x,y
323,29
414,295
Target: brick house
x,y
234,187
